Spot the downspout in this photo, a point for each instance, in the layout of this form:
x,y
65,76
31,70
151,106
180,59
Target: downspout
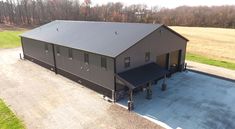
x,y
22,45
53,51
115,86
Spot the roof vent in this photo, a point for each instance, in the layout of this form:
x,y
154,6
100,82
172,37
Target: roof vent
x,y
116,33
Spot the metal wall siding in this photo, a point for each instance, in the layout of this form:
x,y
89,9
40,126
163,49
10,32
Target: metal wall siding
x,y
91,72
156,43
86,83
36,49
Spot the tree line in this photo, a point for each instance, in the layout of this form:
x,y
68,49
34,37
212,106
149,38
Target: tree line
x,y
37,12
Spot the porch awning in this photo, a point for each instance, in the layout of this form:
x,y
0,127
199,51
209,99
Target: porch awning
x,y
141,75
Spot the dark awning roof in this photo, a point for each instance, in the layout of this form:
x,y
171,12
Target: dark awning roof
x,y
141,75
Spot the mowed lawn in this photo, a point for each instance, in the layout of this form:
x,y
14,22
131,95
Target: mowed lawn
x,y
10,39
7,119
214,46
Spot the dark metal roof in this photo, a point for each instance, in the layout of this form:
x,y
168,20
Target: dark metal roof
x,y
143,74
104,38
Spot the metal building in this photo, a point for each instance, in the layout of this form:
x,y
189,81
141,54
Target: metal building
x,y
108,57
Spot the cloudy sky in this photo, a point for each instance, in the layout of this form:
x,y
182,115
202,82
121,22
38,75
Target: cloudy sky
x,y
169,3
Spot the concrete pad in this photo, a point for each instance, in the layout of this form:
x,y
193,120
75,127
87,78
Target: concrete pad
x,y
191,101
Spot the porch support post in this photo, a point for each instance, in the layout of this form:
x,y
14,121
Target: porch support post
x,y
164,86
130,100
149,91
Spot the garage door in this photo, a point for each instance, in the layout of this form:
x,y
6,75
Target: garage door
x,y
162,60
174,60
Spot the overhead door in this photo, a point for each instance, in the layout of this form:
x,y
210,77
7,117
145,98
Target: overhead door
x,y
174,60
162,60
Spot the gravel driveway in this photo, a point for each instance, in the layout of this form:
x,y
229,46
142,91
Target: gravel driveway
x,y
44,100
212,70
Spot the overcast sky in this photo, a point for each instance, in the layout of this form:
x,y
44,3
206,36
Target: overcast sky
x,y
169,3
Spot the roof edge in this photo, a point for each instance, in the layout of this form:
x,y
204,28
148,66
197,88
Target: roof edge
x,y
113,57
175,33
161,25
40,26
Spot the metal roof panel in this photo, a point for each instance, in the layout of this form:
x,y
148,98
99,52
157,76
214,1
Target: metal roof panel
x,y
105,38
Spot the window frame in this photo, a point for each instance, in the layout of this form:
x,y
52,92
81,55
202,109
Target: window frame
x,y
127,64
86,58
103,62
70,53
147,56
46,47
57,50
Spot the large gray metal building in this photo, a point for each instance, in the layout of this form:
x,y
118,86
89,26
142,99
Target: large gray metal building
x,y
107,57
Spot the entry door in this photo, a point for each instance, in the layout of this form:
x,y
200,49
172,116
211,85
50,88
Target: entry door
x,y
161,60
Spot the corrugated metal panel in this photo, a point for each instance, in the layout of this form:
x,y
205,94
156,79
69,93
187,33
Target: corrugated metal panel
x,y
105,38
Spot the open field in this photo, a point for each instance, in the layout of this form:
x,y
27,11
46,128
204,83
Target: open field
x,y
7,119
215,43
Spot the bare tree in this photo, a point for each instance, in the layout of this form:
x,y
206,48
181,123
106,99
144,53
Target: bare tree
x,y
42,11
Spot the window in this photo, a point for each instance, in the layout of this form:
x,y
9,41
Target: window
x,y
86,58
58,50
46,47
127,62
147,56
103,62
70,53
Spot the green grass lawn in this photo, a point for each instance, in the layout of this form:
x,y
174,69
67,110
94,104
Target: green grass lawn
x,y
7,119
205,60
9,39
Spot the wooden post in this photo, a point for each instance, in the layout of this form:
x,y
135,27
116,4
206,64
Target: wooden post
x,y
149,91
130,100
164,84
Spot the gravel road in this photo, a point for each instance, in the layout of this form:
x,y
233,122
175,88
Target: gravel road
x,y
44,100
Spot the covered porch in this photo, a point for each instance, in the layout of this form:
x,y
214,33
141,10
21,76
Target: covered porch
x,y
142,77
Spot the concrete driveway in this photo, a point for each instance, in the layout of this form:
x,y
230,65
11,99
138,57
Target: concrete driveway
x,y
192,101
44,100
